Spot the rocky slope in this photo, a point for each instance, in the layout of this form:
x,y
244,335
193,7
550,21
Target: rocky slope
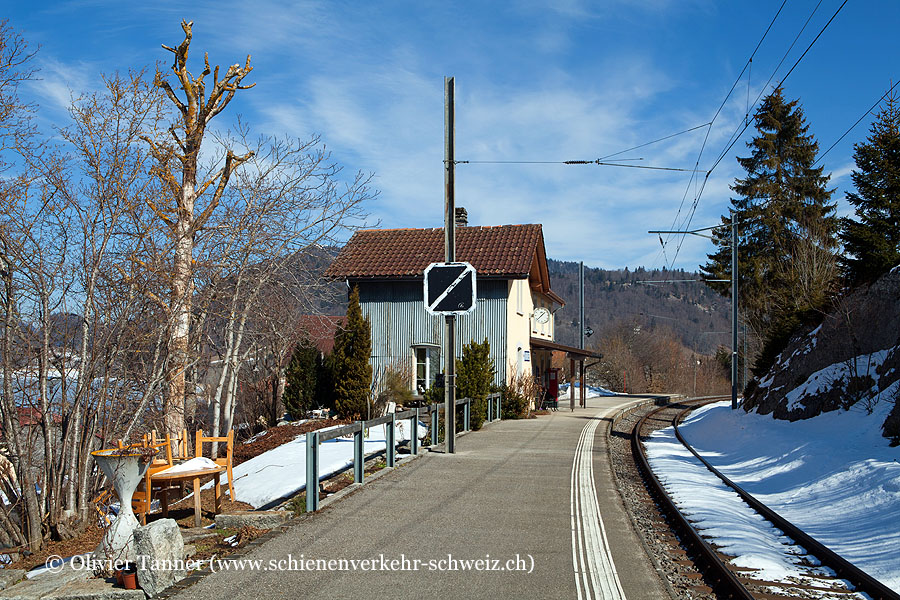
x,y
851,359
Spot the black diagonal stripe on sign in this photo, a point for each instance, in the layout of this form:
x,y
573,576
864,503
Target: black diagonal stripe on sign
x,y
439,278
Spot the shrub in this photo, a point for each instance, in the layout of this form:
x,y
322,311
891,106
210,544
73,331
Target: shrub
x,y
434,394
474,376
518,395
395,388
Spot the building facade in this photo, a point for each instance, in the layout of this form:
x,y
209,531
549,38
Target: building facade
x,y
512,284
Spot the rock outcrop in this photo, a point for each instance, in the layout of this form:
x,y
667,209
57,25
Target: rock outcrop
x,y
160,556
851,359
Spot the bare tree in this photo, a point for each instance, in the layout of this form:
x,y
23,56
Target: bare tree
x,y
181,210
34,246
72,228
109,186
285,200
16,134
16,128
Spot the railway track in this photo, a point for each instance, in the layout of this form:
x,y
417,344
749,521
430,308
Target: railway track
x,y
719,570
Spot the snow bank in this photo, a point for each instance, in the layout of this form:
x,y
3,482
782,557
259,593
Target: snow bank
x,y
281,472
834,476
593,391
838,373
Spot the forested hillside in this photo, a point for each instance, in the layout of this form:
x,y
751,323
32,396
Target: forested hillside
x,y
699,316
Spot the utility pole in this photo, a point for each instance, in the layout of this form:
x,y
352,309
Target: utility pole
x,y
449,256
581,302
581,390
734,292
734,312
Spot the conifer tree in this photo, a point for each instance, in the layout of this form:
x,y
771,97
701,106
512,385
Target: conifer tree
x,y
352,370
474,376
788,230
872,241
301,379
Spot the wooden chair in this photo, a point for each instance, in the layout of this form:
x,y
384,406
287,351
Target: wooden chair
x,y
142,498
180,446
200,439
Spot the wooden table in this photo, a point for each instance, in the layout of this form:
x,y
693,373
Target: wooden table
x,y
169,479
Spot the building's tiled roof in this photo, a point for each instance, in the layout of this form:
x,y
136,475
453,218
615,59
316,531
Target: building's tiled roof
x,y
503,250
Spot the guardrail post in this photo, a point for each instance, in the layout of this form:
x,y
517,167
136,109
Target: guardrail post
x,y
312,471
414,434
359,456
434,424
467,410
390,440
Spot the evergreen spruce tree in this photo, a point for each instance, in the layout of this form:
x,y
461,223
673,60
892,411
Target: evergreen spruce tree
x,y
474,376
301,379
788,231
352,370
325,381
872,242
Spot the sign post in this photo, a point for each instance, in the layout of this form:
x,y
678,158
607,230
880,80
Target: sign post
x,y
449,256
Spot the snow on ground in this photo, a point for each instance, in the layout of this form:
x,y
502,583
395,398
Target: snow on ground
x,y
833,476
281,472
593,391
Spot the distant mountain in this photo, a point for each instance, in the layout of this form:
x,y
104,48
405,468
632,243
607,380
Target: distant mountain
x,y
697,314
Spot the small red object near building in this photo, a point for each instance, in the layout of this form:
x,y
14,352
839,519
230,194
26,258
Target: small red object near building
x,y
553,384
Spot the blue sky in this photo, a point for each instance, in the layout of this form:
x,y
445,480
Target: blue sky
x,y
535,81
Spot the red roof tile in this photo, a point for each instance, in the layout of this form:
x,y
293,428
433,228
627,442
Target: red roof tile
x,y
503,250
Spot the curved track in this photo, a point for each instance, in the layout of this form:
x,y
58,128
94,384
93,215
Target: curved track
x,y
734,582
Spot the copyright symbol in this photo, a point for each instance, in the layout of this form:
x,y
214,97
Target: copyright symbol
x,y
54,563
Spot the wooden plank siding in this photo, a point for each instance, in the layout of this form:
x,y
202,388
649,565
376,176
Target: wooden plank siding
x,y
399,321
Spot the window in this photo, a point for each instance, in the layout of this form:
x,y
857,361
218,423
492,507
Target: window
x,y
427,366
519,295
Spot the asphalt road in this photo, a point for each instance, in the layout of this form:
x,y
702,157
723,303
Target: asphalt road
x,y
505,498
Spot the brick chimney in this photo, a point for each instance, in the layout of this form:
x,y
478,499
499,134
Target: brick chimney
x,y
462,217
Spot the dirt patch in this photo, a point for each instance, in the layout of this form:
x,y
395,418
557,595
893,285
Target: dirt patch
x,y
87,541
182,509
276,436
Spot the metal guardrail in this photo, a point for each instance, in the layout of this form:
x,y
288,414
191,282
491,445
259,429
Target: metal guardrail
x,y
431,415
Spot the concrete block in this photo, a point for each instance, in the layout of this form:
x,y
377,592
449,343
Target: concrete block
x,y
8,577
260,519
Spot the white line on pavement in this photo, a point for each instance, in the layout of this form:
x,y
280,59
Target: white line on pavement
x,y
595,572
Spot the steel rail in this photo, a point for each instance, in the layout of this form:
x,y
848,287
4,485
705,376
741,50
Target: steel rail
x,y
863,582
718,571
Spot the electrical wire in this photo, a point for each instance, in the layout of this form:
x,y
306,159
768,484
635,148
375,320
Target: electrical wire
x,y
692,180
571,162
852,127
608,156
783,79
598,161
733,141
